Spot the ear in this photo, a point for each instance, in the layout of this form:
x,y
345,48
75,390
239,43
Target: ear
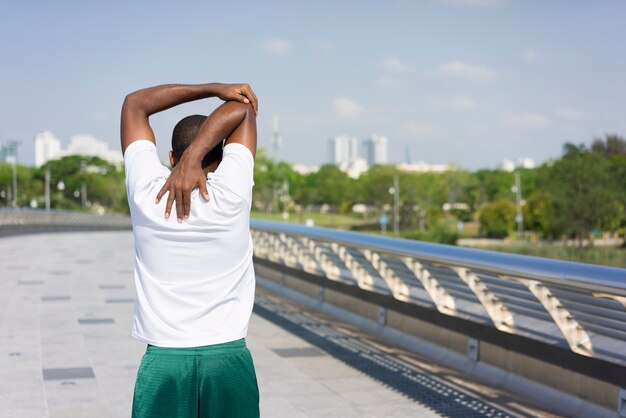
x,y
172,159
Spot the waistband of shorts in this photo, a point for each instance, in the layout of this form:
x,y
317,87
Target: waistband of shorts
x,y
205,350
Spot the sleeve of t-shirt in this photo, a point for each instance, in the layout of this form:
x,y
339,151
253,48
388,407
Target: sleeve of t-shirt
x,y
236,170
142,166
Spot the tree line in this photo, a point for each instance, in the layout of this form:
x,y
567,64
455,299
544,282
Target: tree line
x,y
581,192
76,183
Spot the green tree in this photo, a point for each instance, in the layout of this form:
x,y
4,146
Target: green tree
x,y
497,219
493,185
331,186
610,146
539,213
584,193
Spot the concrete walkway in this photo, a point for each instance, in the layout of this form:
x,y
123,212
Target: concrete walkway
x,y
66,305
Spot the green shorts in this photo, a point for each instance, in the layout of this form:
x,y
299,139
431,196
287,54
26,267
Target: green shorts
x,y
211,381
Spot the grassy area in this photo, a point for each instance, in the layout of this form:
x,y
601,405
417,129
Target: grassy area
x,y
606,256
328,220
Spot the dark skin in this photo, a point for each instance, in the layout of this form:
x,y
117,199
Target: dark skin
x,y
234,120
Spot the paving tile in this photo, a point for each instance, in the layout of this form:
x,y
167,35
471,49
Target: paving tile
x,y
112,286
304,385
348,384
299,352
373,397
59,272
91,321
17,267
55,298
120,300
312,402
68,373
77,398
29,282
274,410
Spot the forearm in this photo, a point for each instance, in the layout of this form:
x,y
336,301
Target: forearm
x,y
218,126
156,99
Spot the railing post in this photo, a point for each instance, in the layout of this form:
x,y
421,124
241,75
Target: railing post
x,y
499,314
572,330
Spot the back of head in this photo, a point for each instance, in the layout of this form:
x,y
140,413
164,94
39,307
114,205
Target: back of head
x,y
183,135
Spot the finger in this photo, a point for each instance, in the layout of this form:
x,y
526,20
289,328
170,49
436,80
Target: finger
x,y
203,191
243,99
168,204
255,101
179,205
186,203
163,190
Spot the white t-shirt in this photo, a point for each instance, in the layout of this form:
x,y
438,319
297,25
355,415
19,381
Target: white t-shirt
x,y
194,280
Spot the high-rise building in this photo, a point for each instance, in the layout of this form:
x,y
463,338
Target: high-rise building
x,y
47,147
375,149
90,146
342,150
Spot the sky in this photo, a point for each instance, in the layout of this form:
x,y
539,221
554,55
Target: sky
x,y
468,82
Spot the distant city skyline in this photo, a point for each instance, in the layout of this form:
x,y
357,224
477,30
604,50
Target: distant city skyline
x,y
49,147
469,83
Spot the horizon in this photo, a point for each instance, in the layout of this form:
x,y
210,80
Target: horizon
x,y
269,154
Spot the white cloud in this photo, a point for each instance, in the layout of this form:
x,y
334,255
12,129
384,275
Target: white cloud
x,y
457,103
466,71
347,109
277,46
472,3
529,55
569,114
394,66
425,130
524,120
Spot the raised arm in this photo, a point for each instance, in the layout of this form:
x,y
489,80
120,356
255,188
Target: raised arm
x,y
138,106
234,121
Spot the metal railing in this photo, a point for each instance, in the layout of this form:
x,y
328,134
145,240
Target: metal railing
x,y
580,307
17,221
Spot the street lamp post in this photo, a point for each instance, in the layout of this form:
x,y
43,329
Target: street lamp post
x,y
519,202
83,186
83,195
395,191
47,189
14,145
420,214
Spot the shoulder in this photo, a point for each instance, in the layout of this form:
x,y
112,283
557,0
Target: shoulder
x,y
142,165
137,147
240,150
236,171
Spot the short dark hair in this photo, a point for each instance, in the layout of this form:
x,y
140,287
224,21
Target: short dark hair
x,y
183,135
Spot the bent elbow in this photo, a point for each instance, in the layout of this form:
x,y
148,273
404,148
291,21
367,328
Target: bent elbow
x,y
133,104
130,101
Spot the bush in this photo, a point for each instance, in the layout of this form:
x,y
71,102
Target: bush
x,y
497,219
440,233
